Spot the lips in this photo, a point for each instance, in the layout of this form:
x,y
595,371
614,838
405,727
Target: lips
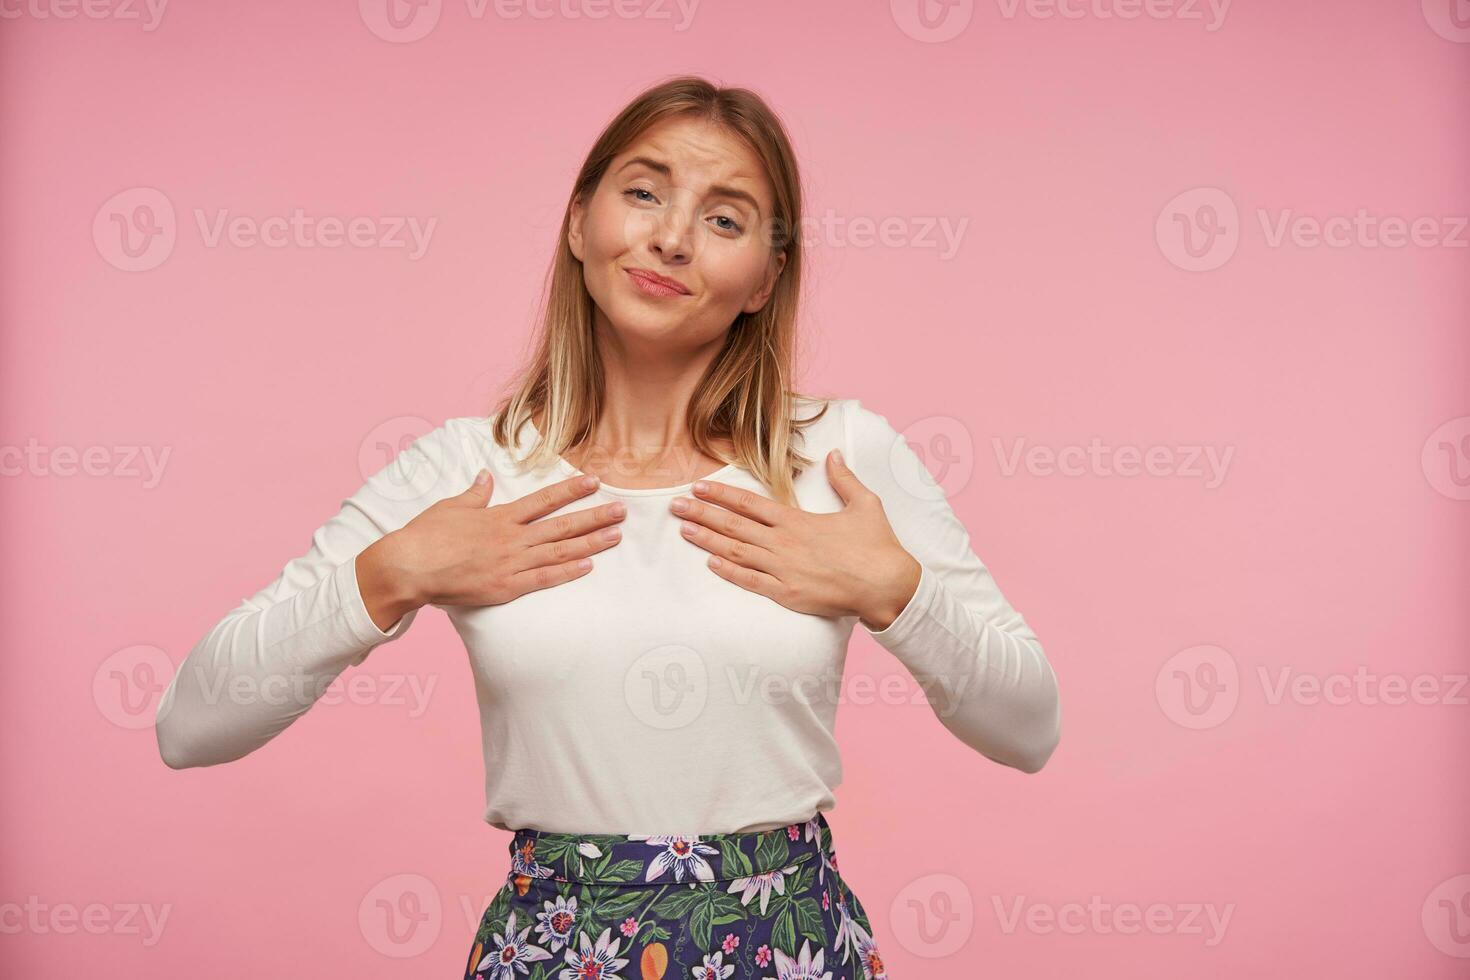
x,y
661,284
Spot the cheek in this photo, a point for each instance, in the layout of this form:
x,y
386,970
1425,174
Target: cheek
x,y
606,232
732,272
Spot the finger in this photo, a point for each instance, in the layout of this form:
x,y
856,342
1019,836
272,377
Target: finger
x,y
478,495
740,552
726,522
747,578
552,497
741,501
572,524
546,576
555,552
844,480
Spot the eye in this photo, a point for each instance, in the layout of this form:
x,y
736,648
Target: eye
x,y
732,226
639,190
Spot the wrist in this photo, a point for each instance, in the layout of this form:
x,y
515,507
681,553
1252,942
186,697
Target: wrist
x,y
389,588
892,595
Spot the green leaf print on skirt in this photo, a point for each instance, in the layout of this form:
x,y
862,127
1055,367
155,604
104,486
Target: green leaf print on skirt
x,y
766,905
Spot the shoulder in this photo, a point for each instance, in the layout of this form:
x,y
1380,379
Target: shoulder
x,y
846,421
472,438
451,452
864,434
864,428
812,410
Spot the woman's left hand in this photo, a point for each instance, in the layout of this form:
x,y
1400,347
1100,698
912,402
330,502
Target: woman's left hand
x,y
840,564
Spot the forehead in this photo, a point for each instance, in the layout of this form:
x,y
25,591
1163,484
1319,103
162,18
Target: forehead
x,y
700,154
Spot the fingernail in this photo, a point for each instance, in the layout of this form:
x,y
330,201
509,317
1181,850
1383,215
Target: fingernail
x,y
837,455
680,505
700,486
588,482
481,478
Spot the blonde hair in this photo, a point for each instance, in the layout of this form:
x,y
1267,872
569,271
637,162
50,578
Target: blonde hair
x,y
745,395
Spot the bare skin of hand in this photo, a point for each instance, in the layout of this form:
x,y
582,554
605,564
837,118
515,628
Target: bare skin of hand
x,y
459,552
841,564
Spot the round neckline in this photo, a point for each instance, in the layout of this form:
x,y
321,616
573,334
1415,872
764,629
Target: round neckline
x,y
571,470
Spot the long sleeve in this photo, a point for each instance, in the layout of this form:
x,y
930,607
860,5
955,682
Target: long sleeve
x,y
268,660
982,666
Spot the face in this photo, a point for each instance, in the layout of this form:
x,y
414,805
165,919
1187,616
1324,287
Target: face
x,y
687,202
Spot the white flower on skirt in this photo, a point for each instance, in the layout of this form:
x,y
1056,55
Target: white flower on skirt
x,y
804,967
762,883
556,921
512,953
849,932
683,854
593,961
711,969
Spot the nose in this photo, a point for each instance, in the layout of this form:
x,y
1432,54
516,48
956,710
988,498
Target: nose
x,y
672,237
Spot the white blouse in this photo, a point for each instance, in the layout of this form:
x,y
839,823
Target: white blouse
x,y
650,695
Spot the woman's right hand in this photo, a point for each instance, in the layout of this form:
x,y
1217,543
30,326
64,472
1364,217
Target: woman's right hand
x,y
459,552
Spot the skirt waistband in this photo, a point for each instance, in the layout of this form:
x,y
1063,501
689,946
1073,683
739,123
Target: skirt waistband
x,y
657,860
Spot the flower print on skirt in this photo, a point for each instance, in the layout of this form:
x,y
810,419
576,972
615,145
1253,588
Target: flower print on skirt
x,y
766,905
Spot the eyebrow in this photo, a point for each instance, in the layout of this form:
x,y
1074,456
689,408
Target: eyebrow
x,y
718,190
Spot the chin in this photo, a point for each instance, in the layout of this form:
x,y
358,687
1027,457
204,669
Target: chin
x,y
638,324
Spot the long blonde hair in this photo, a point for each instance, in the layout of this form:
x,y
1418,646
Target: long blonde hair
x,y
745,396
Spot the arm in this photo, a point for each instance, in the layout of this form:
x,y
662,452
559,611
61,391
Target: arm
x,y
268,660
983,668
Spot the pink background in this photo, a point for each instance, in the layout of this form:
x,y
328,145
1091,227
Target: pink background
x,y
1332,834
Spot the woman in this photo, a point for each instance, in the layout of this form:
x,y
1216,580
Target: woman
x,y
658,721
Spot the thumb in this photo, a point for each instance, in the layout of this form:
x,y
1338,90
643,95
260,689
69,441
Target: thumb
x,y
479,492
843,480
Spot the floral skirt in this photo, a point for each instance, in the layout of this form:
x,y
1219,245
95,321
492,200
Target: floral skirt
x,y
767,905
